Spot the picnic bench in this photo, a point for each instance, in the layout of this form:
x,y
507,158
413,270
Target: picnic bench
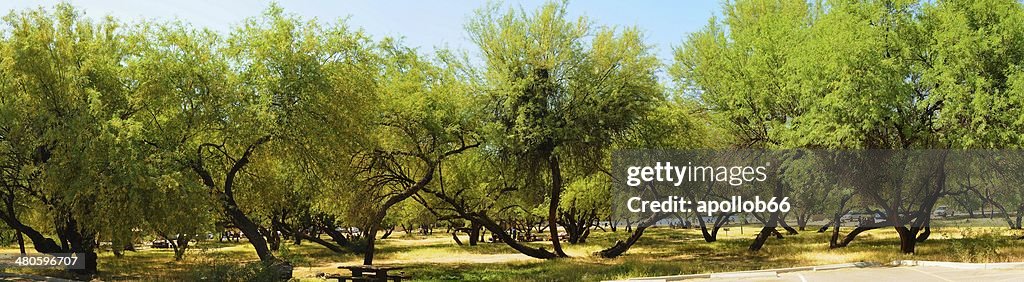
x,y
370,273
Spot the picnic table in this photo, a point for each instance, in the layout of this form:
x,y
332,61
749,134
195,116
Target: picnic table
x,y
371,273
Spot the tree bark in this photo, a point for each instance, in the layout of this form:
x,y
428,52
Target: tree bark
x,y
853,234
493,227
766,231
336,248
68,233
474,233
712,235
833,241
1020,216
908,239
21,241
428,175
181,246
499,232
387,232
621,247
455,236
825,227
227,199
708,237
924,234
789,229
556,192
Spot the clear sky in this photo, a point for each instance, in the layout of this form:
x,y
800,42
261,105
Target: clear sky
x,y
423,24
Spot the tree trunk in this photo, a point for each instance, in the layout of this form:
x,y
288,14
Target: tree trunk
x,y
853,234
837,220
1020,216
496,229
227,199
332,230
180,246
583,237
924,234
474,233
789,229
720,221
273,238
410,190
833,241
773,220
708,237
621,247
337,248
371,235
825,227
766,231
500,233
81,242
455,236
21,241
387,232
251,232
556,192
908,239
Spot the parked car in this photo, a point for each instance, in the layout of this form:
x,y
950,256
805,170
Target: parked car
x,y
160,244
943,211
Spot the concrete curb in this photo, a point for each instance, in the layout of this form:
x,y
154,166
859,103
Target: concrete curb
x,y
959,265
754,273
765,273
744,275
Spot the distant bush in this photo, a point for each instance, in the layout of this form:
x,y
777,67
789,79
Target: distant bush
x,y
974,246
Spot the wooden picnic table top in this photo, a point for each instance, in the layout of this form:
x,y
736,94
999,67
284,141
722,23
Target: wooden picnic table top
x,y
370,268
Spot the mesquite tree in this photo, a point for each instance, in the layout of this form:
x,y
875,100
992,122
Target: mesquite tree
x,y
560,90
67,122
280,87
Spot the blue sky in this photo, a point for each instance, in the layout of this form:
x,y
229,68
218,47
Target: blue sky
x,y
423,24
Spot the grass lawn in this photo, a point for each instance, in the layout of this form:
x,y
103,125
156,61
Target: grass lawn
x,y
661,251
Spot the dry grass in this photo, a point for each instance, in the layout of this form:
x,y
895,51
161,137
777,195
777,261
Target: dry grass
x,y
661,251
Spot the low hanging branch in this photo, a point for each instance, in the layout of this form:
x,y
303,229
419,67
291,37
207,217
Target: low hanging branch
x,y
621,247
392,173
484,220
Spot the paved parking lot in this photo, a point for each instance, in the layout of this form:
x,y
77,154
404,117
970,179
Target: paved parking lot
x,y
878,274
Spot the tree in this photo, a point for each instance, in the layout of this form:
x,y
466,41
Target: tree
x,y
66,130
899,76
742,68
276,88
555,100
875,75
676,124
426,114
179,211
479,187
585,201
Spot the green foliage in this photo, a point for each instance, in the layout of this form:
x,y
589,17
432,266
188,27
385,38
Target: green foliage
x,y
108,128
741,68
68,120
558,83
